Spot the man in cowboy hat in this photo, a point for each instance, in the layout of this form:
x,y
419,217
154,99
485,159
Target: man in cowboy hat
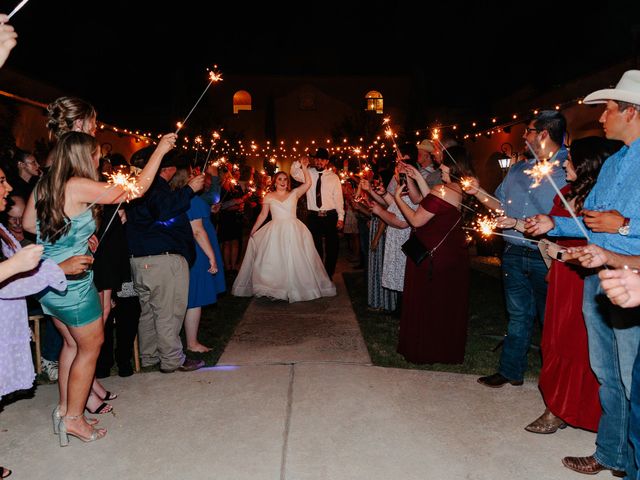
x,y
325,207
612,213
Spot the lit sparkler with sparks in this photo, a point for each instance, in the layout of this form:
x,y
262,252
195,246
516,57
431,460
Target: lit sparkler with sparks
x,y
388,132
216,136
547,173
540,170
127,182
486,225
465,182
214,76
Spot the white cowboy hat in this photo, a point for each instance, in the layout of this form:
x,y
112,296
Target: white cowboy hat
x,y
427,146
627,90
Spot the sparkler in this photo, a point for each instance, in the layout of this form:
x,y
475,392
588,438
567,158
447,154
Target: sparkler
x,y
214,76
389,134
215,136
546,170
465,182
109,224
18,7
127,182
540,170
119,179
504,235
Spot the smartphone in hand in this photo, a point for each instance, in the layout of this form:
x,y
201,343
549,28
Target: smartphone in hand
x,y
402,178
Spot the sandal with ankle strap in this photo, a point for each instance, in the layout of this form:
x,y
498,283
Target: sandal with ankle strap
x,y
108,396
96,434
102,409
56,418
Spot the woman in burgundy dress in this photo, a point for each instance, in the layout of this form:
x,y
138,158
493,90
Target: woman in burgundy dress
x,y
433,324
568,385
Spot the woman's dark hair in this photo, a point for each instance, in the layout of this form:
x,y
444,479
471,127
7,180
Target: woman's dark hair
x,y
458,161
411,150
587,156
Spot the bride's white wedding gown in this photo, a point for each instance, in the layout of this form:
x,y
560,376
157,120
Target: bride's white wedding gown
x,y
281,260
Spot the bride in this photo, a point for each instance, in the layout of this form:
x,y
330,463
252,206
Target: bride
x,y
281,261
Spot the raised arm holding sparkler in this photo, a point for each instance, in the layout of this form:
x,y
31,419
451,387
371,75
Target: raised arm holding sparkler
x,y
87,191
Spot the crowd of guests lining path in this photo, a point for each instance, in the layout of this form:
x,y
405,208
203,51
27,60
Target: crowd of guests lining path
x,y
99,261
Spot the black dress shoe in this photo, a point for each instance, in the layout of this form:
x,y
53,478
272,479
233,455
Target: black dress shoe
x,y
498,380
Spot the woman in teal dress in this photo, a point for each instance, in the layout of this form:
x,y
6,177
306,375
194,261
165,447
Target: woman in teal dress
x,y
61,211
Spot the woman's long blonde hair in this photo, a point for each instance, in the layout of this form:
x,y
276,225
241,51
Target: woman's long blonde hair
x,y
72,157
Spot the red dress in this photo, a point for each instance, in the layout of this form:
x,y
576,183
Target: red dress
x,y
435,302
567,383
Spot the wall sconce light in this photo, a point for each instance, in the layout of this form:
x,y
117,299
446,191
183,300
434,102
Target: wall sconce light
x,y
507,154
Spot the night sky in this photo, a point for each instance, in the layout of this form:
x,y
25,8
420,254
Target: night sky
x,y
128,58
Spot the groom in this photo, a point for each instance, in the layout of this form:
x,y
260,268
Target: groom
x,y
325,207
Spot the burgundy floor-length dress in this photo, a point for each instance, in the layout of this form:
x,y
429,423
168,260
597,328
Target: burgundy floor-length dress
x,y
435,303
568,385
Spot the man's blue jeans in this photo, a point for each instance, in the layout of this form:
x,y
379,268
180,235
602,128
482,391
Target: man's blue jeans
x,y
614,336
634,420
525,291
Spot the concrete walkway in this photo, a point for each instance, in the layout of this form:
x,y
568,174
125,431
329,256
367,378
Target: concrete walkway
x,y
294,397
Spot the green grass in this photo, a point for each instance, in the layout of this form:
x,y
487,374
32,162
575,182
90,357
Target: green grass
x,y
487,318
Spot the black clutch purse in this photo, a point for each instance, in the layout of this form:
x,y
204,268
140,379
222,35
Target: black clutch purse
x,y
415,250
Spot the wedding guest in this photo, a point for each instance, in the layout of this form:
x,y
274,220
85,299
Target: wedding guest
x,y
14,219
16,364
27,173
64,115
611,214
568,385
435,300
231,221
162,248
206,275
398,230
62,210
378,297
523,267
7,42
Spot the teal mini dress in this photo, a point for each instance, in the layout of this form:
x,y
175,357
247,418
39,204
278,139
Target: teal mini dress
x,y
79,304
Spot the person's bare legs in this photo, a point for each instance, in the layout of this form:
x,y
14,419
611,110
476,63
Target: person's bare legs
x,y
98,392
191,324
67,355
88,339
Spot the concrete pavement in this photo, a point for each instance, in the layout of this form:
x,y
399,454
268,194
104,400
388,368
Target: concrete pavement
x,y
294,397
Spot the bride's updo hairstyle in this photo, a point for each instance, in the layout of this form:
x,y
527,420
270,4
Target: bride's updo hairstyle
x,y
275,177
